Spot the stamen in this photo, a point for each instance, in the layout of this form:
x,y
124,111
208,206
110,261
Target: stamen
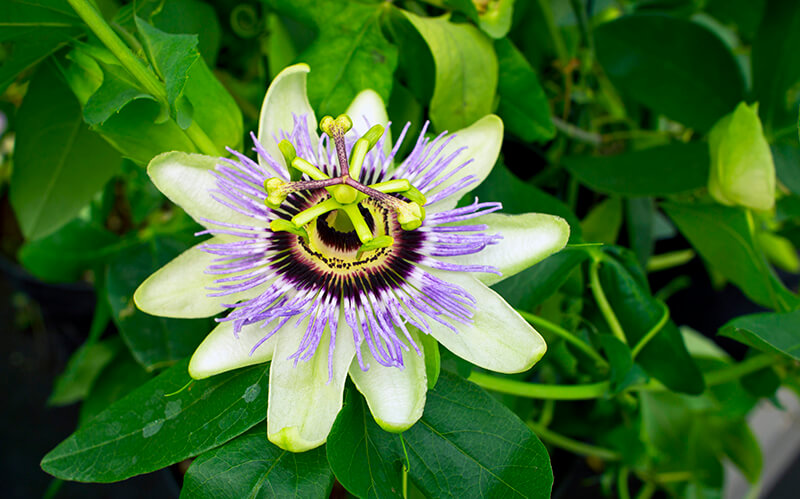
x,y
310,214
359,224
281,225
309,169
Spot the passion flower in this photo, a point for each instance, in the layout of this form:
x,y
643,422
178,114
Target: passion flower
x,y
334,258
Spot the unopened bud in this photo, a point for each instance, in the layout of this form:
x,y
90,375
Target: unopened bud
x,y
742,168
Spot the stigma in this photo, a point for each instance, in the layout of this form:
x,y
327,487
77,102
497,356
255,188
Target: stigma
x,y
347,196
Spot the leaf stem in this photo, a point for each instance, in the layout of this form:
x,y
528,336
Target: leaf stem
x,y
603,304
539,391
599,389
668,260
653,331
574,446
137,69
565,335
736,371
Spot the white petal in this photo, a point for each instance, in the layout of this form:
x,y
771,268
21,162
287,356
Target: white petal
x,y
498,339
482,140
396,397
178,289
368,107
285,97
303,402
186,180
222,351
527,239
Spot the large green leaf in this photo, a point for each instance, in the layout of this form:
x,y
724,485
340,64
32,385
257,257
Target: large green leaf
x,y
673,66
59,164
364,457
468,444
154,427
250,466
523,103
350,53
466,71
155,342
638,312
656,171
723,236
776,63
768,332
33,30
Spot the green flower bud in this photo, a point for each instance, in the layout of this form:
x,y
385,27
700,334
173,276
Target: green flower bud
x,y
742,169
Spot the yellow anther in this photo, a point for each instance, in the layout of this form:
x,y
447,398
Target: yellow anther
x,y
410,215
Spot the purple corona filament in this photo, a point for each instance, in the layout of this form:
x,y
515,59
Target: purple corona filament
x,y
375,296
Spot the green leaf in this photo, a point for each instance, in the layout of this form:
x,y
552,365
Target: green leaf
x,y
155,342
33,31
638,312
466,444
624,372
466,71
694,79
64,255
365,458
657,171
469,444
117,90
250,466
603,222
533,286
59,164
693,433
172,56
215,111
349,54
787,165
776,65
523,103
723,237
149,429
776,333
82,370
678,436
117,379
640,217
520,197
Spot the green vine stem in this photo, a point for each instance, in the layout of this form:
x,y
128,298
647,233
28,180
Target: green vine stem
x,y
653,331
600,389
565,335
137,68
574,446
602,302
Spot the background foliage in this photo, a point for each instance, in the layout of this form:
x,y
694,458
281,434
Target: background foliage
x,y
608,106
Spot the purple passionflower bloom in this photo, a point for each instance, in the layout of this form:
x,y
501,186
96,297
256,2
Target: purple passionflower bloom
x,y
345,269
